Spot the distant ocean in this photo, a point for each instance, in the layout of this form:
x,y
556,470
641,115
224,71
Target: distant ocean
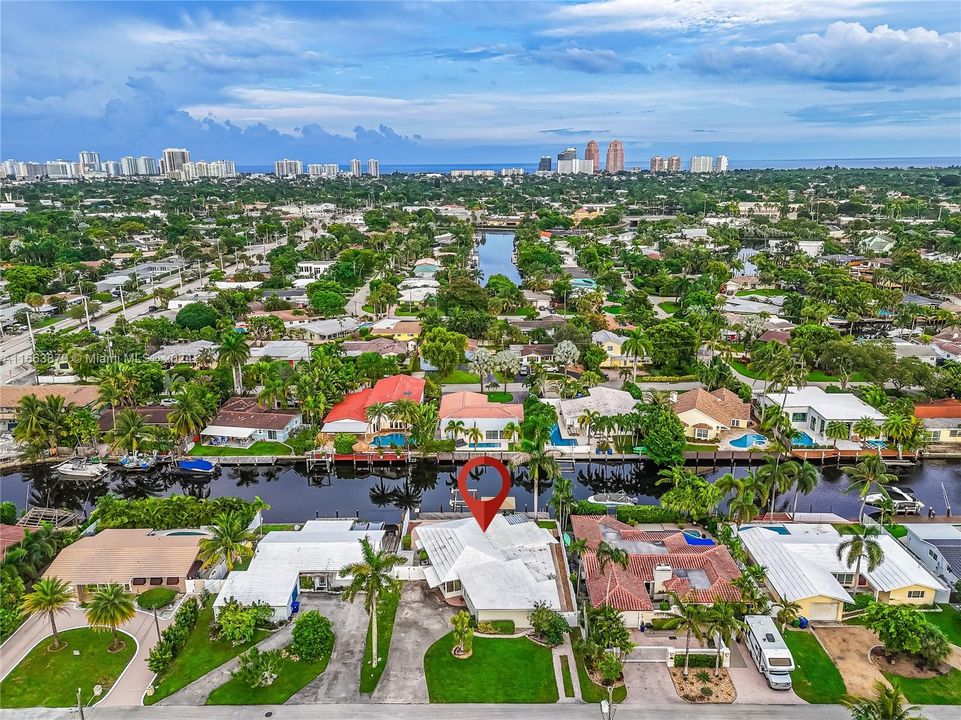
x,y
789,164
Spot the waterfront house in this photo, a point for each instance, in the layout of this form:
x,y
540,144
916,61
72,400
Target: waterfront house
x,y
476,411
350,414
938,547
811,410
803,567
705,415
947,344
942,420
11,395
602,400
659,562
152,415
288,562
184,353
290,351
329,329
499,573
242,421
380,345
137,559
611,343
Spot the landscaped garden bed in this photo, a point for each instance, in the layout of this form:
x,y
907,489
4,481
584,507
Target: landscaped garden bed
x,y
703,686
47,678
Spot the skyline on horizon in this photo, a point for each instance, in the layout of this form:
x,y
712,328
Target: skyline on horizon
x,y
444,83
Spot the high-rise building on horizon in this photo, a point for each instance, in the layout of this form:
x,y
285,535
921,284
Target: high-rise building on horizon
x,y
173,161
61,169
111,167
288,168
721,165
575,167
89,161
568,154
674,164
355,168
702,164
373,168
593,153
658,164
147,165
545,164
615,157
128,165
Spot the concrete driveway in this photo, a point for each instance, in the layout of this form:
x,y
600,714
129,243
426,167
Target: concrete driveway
x,y
421,620
340,682
751,686
649,684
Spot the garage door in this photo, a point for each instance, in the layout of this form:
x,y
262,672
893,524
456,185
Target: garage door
x,y
824,611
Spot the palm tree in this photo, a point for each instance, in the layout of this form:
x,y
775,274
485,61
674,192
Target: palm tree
x,y
804,482
866,428
861,545
837,430
561,498
31,425
109,608
511,431
474,435
273,394
193,408
230,542
454,429
129,431
887,704
723,622
636,346
405,411
776,477
579,549
234,352
541,463
610,555
864,475
377,413
905,430
588,419
371,576
788,612
690,617
743,508
49,596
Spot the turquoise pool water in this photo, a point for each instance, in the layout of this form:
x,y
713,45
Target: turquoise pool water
x,y
779,529
749,440
484,445
802,439
425,269
876,444
398,439
557,440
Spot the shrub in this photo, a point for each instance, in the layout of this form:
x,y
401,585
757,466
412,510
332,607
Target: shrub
x,y
698,660
703,676
258,669
405,542
172,512
175,636
313,636
156,598
8,513
582,507
344,443
236,622
634,514
610,667
496,627
548,624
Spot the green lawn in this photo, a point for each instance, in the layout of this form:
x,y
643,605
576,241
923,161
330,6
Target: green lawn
x,y
51,679
568,680
291,677
763,292
591,692
261,447
386,612
745,370
669,307
198,657
501,670
692,447
456,377
942,690
274,527
821,376
949,620
613,309
500,397
816,679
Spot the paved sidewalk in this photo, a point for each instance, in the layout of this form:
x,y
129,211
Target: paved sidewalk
x,y
565,650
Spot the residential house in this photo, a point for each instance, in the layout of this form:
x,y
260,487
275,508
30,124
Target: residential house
x,y
476,411
660,562
184,353
290,351
350,414
380,345
152,415
530,354
182,301
602,400
137,559
878,244
242,421
10,535
290,561
742,282
11,395
313,269
295,296
942,420
803,567
705,415
500,573
947,344
924,353
782,337
329,329
611,344
811,410
938,547
399,330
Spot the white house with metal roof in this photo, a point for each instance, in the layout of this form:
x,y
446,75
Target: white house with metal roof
x,y
317,551
811,410
803,567
500,573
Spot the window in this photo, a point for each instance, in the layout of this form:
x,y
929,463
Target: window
x,y
844,578
934,435
491,434
735,423
452,586
954,433
799,417
701,433
813,423
916,594
271,434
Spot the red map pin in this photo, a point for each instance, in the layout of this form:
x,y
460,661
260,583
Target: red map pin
x,y
484,510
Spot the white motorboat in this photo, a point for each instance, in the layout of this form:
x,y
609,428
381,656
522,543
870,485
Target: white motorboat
x,y
137,462
80,469
903,498
611,499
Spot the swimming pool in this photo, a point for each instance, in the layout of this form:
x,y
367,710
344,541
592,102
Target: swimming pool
x,y
425,269
877,444
779,529
483,445
398,439
749,440
557,440
802,439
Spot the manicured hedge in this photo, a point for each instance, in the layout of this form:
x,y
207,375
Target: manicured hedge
x,y
646,514
177,511
583,507
156,598
173,638
697,661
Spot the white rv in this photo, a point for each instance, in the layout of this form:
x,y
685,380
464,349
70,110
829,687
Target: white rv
x,y
770,652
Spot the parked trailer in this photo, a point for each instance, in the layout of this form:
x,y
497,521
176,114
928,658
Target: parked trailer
x,y
769,651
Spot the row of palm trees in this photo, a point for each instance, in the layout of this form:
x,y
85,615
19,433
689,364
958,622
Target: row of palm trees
x,y
109,607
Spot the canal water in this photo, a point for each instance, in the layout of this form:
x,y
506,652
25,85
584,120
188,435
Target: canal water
x,y
495,253
383,494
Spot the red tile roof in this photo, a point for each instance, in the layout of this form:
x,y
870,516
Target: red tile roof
x,y
947,408
387,390
10,535
472,405
352,407
627,587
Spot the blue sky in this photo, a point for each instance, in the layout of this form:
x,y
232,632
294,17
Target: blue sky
x,y
479,82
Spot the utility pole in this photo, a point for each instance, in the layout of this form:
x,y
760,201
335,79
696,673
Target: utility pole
x,y
80,705
156,622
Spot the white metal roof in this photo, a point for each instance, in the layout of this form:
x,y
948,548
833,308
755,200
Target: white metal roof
x,y
831,406
266,584
607,401
224,431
